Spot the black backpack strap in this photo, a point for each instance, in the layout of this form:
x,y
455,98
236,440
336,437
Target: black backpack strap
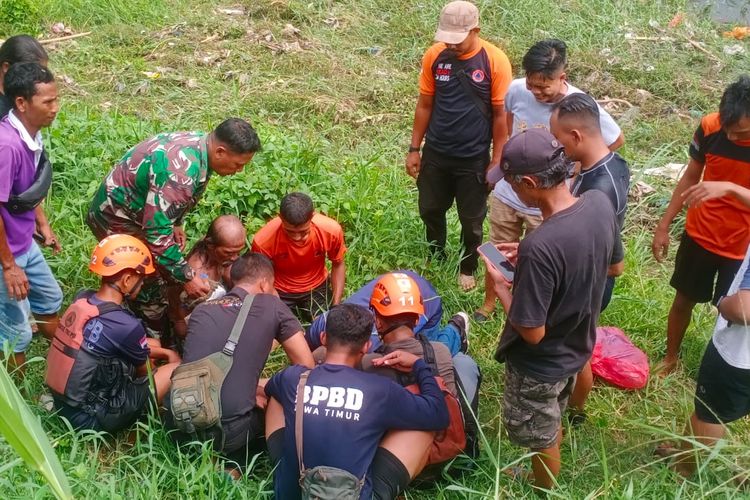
x,y
239,325
428,353
459,69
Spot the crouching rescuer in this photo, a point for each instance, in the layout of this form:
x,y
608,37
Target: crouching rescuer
x,y
97,364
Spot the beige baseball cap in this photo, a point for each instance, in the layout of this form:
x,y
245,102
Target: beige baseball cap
x,y
457,19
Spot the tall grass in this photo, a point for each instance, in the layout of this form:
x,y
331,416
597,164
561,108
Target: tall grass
x,y
335,120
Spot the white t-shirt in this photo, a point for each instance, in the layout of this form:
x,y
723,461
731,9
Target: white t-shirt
x,y
733,342
530,113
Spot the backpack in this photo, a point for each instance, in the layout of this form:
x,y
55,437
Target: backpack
x,y
451,441
195,393
321,482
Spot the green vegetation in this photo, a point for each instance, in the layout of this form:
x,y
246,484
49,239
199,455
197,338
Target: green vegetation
x,y
333,103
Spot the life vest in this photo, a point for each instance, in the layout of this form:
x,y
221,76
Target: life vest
x,y
70,369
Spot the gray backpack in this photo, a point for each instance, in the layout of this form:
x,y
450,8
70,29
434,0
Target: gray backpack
x,y
196,386
322,482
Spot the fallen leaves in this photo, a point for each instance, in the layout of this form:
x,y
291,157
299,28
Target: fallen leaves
x,y
738,33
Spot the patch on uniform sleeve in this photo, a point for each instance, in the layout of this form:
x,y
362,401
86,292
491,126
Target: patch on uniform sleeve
x,y
477,75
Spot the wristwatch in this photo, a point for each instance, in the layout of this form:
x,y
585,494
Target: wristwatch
x,y
188,272
414,149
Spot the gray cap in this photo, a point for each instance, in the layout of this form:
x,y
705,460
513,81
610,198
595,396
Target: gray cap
x,y
532,151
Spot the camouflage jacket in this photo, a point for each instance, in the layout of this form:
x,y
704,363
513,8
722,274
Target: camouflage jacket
x,y
150,190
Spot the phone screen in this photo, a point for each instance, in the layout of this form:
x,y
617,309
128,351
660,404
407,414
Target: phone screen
x,y
498,260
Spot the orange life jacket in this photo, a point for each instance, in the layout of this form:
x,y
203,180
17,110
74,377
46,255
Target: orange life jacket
x,y
65,357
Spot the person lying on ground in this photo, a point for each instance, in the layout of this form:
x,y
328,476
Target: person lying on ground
x,y
454,334
97,364
561,270
397,304
528,104
242,396
576,123
211,258
717,232
298,241
148,193
28,285
350,420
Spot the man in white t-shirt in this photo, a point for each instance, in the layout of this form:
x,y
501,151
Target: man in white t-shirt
x,y
528,104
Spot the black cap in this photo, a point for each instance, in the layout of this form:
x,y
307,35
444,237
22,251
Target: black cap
x,y
532,151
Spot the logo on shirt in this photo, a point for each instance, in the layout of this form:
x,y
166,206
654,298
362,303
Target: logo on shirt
x,y
95,331
477,75
143,343
443,72
335,402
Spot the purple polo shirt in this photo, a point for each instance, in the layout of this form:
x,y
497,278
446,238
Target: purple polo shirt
x,y
17,170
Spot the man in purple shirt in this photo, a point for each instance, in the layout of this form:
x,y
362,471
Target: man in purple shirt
x,y
28,286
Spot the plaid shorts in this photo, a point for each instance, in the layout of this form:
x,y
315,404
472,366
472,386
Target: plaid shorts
x,y
532,409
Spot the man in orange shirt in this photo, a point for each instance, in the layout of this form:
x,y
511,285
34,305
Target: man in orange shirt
x,y
297,242
717,227
459,113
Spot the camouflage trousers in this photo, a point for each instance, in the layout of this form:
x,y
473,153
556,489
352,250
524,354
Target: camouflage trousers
x,y
533,409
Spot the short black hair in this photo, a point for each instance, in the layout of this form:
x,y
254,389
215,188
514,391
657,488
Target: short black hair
x,y
251,268
735,102
557,172
22,48
22,78
296,208
546,57
349,326
238,135
579,107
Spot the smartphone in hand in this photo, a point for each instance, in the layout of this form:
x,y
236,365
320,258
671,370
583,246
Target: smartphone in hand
x,y
498,260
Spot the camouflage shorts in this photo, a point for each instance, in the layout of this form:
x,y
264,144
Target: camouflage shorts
x,y
532,409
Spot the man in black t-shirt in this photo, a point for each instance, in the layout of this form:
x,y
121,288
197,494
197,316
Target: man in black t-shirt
x,y
561,269
242,395
575,123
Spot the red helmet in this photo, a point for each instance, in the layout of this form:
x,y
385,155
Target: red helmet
x,y
396,293
118,252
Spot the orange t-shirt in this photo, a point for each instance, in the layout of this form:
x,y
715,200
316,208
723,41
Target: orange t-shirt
x,y
299,269
721,225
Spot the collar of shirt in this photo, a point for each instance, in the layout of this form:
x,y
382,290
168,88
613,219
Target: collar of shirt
x,y
34,144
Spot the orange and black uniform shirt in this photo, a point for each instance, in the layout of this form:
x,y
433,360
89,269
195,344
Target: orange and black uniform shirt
x,y
721,225
457,127
300,268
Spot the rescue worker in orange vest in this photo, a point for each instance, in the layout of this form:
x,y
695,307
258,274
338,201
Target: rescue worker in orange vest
x,y
96,366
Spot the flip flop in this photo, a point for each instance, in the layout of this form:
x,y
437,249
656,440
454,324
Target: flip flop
x,y
480,315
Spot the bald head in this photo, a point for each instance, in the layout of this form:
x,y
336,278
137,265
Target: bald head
x,y
227,230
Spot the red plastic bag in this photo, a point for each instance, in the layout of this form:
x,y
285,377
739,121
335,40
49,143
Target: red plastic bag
x,y
617,360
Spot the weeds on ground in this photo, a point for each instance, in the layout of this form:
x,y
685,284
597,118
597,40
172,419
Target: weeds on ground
x,y
331,86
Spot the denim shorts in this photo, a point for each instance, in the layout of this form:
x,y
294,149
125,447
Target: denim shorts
x,y
45,297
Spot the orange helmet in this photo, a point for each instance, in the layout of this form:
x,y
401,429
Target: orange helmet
x,y
396,293
119,252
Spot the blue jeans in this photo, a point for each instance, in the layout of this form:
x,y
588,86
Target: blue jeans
x,y
447,335
44,298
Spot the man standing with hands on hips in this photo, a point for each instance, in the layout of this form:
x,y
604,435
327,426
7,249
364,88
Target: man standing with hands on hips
x,y
459,113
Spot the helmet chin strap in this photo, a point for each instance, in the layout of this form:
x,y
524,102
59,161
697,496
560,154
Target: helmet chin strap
x,y
393,327
126,295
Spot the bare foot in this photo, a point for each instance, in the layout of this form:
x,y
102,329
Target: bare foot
x,y
467,282
665,367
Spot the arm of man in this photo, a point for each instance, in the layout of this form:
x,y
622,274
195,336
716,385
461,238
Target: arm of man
x,y
499,134
42,225
338,280
421,120
736,308
298,351
424,411
618,143
708,190
16,281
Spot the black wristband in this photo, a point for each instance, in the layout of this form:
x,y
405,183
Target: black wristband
x,y
414,149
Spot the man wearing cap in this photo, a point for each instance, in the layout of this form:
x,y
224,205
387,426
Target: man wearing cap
x,y
459,113
561,269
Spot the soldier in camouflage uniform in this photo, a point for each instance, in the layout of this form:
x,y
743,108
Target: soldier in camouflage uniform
x,y
150,190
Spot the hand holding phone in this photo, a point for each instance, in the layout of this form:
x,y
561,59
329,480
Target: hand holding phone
x,y
498,260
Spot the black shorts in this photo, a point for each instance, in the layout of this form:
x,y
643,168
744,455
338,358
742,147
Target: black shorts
x,y
722,392
308,305
701,275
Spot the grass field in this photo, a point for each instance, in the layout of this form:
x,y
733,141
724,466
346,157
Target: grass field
x,y
331,87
